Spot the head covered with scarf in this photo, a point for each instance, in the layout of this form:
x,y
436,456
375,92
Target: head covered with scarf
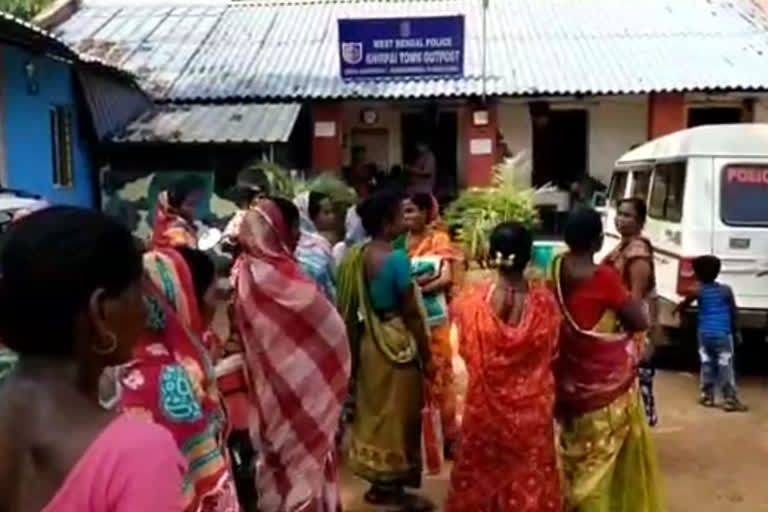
x,y
298,356
314,252
171,381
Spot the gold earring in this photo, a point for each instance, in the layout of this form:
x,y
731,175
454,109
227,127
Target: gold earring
x,y
103,351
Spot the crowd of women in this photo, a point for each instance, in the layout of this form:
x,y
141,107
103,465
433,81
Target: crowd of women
x,y
112,402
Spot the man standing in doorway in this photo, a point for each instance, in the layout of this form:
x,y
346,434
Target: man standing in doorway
x,y
423,171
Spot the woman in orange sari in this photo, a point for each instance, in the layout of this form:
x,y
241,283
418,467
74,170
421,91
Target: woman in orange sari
x,y
175,211
433,258
508,334
606,449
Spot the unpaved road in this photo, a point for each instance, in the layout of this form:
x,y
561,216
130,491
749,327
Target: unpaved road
x,y
711,461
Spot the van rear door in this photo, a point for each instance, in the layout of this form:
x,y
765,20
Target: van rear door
x,y
740,227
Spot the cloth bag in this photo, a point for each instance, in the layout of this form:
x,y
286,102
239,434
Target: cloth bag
x,y
435,304
432,443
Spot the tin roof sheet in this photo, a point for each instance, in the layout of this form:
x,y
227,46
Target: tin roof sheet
x,y
231,123
289,50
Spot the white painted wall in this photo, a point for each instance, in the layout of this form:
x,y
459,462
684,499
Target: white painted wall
x,y
615,125
514,123
761,110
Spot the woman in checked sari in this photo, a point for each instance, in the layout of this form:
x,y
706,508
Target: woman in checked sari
x,y
606,449
298,357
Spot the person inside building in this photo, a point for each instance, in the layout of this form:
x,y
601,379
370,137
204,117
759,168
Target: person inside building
x,y
298,360
60,449
359,173
170,379
422,172
176,212
433,262
508,329
314,252
607,452
388,334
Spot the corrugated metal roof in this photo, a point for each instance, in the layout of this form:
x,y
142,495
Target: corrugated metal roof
x,y
535,47
238,123
112,104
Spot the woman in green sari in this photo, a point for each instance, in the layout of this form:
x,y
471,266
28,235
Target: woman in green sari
x,y
389,339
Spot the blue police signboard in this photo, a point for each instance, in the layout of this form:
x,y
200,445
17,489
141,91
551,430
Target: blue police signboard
x,y
401,47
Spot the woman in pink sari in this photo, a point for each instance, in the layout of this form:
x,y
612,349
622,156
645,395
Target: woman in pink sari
x,y
298,357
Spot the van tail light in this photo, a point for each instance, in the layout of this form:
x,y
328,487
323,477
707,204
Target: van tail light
x,y
686,278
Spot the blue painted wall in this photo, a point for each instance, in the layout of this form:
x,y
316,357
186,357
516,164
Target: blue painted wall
x,y
27,130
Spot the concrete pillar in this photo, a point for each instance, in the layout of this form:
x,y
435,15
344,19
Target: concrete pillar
x,y
666,114
480,148
327,133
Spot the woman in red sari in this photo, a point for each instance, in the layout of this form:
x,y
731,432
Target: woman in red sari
x,y
508,331
606,449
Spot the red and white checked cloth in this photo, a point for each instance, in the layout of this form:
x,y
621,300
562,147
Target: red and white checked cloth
x,y
299,364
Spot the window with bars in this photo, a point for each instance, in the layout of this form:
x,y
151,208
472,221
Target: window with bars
x,y
60,118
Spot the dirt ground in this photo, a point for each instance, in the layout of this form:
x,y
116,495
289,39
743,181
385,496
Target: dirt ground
x,y
711,461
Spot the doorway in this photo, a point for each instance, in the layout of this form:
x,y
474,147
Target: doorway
x,y
560,139
375,143
439,130
714,115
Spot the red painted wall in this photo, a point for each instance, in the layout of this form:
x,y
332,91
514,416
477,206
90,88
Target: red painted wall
x,y
479,168
666,114
327,152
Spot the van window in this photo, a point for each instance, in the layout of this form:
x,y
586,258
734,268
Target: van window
x,y
641,182
743,191
667,188
617,187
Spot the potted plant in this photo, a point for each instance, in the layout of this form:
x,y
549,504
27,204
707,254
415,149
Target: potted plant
x,y
474,214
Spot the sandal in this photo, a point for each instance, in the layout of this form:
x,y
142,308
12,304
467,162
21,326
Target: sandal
x,y
734,405
707,400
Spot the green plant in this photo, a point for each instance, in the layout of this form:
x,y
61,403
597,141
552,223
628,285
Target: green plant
x,y
476,211
24,9
272,178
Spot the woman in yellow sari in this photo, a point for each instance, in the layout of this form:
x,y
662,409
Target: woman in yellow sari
x,y
433,260
377,298
607,453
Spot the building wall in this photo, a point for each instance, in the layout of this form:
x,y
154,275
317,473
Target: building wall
x,y
515,127
388,119
615,125
27,130
761,110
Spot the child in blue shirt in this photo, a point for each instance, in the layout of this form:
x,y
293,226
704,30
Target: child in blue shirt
x,y
717,332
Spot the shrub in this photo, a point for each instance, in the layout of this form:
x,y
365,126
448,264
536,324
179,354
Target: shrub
x,y
474,214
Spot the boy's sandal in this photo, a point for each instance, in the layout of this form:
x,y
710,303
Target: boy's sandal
x,y
707,401
734,406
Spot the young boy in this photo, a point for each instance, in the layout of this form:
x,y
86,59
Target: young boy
x,y
717,332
